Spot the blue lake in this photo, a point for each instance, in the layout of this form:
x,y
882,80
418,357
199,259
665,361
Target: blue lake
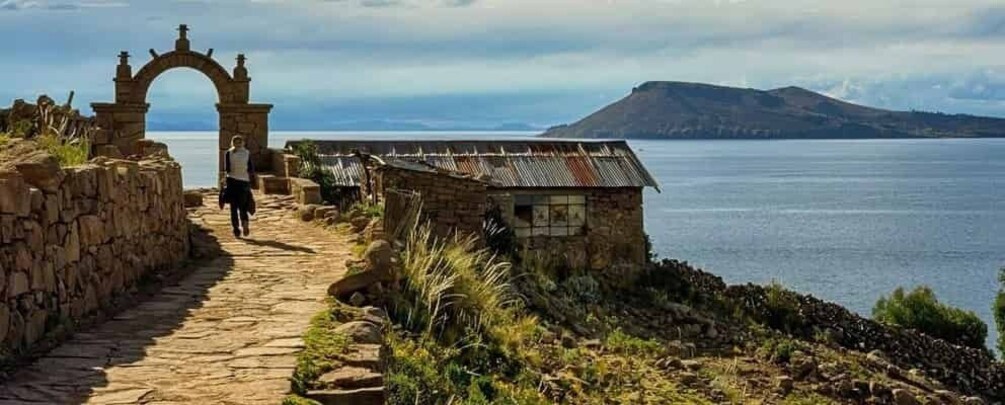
x,y
846,221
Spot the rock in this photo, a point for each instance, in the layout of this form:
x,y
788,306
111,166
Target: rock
x,y
374,315
4,321
904,397
325,211
306,212
548,337
351,378
361,332
877,357
972,401
42,171
803,367
692,364
18,284
14,195
784,384
948,397
879,390
379,257
359,223
688,378
343,288
357,299
591,343
193,198
362,396
92,230
569,342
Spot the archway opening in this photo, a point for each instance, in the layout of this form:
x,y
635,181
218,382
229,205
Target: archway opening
x,y
184,116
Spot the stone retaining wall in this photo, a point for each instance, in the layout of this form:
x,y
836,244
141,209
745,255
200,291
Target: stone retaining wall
x,y
450,203
72,240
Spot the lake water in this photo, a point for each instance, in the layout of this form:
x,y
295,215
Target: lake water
x,y
846,221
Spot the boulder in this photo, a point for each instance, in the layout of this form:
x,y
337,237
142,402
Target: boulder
x,y
357,299
904,397
379,258
345,287
362,396
306,212
361,332
41,171
193,198
351,378
359,223
784,384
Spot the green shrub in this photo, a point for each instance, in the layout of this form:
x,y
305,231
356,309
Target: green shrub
x,y
621,342
782,308
312,168
4,138
998,309
920,310
69,152
779,349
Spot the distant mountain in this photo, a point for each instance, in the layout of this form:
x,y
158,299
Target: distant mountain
x,y
678,110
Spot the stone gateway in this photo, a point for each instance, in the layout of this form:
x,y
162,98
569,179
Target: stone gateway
x,y
123,122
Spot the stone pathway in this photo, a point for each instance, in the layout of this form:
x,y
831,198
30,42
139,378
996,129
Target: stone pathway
x,y
226,334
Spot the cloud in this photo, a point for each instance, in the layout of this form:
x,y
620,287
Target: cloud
x,y
894,56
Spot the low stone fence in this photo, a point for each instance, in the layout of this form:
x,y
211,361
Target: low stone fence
x,y
74,239
969,370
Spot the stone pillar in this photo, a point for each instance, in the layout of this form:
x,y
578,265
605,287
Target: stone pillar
x,y
250,121
121,125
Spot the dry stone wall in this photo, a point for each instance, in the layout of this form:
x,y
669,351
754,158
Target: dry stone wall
x,y
969,370
449,202
71,240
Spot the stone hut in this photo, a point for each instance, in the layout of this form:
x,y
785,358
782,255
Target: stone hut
x,y
578,202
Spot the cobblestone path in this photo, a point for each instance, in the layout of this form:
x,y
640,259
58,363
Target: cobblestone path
x,y
228,333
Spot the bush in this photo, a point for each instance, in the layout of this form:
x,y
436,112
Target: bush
x,y
68,151
312,168
922,311
782,308
999,311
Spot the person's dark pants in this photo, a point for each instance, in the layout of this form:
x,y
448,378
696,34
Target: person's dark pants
x,y
238,195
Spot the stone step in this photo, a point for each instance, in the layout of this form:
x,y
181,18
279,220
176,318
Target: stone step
x,y
351,378
363,356
270,184
362,396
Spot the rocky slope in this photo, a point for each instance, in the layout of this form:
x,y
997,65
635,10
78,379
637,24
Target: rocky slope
x,y
677,110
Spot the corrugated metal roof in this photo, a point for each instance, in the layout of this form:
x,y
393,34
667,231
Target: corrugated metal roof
x,y
508,163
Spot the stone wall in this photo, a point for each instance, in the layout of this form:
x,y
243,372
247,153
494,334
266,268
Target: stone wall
x,y
968,370
451,203
72,240
614,233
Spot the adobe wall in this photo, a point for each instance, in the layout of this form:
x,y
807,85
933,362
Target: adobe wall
x,y
73,239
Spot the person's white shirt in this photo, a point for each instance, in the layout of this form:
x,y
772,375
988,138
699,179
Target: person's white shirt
x,y
239,170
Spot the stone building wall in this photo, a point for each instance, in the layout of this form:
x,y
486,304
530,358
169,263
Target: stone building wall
x,y
614,234
73,239
450,203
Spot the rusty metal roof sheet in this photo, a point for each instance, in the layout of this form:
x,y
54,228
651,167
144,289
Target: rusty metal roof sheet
x,y
508,163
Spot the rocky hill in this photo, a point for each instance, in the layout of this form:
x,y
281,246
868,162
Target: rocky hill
x,y
678,110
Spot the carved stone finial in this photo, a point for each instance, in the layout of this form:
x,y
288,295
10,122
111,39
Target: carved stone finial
x,y
124,58
241,72
153,53
182,44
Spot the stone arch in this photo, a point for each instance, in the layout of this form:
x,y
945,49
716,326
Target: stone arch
x,y
226,88
123,122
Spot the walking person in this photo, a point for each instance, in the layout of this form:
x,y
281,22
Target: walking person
x,y
237,190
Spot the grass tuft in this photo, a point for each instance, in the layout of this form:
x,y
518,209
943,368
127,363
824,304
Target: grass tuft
x,y
69,152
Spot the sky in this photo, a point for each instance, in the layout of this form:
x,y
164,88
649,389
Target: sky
x,y
338,64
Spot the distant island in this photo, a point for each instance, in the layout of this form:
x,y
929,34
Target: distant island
x,y
679,110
